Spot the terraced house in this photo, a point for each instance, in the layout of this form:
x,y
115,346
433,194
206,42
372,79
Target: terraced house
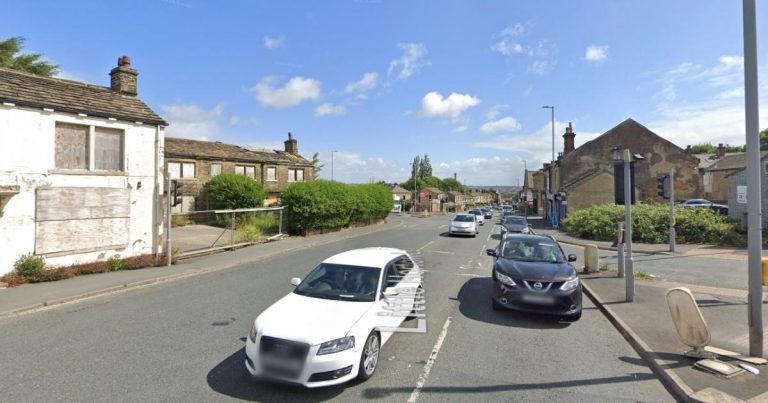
x,y
193,163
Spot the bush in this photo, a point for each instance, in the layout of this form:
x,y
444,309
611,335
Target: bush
x,y
59,273
115,263
91,268
650,224
29,265
140,262
231,191
325,205
12,279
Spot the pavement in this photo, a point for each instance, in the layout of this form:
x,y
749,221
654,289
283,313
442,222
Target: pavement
x,y
717,278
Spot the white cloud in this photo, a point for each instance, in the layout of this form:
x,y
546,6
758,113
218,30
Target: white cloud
x,y
434,105
274,42
244,120
410,62
366,83
495,111
460,129
265,145
295,91
509,43
726,74
596,53
328,109
191,121
537,146
541,67
354,168
507,124
507,171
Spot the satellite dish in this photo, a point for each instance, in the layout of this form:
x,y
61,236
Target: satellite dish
x,y
689,322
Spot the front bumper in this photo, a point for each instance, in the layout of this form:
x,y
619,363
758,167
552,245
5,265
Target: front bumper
x,y
317,370
564,303
462,231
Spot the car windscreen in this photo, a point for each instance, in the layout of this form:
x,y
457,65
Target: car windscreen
x,y
341,282
532,250
515,220
475,212
464,218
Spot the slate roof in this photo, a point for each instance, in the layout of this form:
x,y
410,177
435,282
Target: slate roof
x,y
433,190
732,161
400,190
196,149
24,89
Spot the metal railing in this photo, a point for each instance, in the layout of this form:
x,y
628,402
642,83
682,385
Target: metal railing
x,y
196,232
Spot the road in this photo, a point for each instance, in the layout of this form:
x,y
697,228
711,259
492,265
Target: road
x,y
183,340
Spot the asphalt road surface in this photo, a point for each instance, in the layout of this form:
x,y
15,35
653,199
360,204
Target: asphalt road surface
x,y
183,340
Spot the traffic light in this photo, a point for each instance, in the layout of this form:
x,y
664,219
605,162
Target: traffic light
x,y
618,182
175,193
661,182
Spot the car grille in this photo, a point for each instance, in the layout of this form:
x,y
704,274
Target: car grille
x,y
283,358
330,375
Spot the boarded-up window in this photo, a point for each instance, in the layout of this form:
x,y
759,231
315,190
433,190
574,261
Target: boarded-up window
x,y
108,149
272,174
71,146
295,175
174,170
239,169
246,170
188,170
215,169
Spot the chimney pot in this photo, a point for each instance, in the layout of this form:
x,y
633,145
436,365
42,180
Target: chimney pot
x,y
291,145
124,78
720,150
569,139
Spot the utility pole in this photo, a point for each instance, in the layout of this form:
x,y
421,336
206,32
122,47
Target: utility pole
x,y
168,250
629,263
754,221
332,152
672,234
551,168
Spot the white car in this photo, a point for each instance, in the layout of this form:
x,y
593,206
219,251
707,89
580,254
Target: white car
x,y
479,215
463,224
330,329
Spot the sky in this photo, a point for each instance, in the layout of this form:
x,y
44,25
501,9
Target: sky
x,y
374,83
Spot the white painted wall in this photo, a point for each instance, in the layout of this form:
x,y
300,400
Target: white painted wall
x,y
27,148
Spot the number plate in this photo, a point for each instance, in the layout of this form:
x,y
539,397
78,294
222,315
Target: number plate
x,y
538,299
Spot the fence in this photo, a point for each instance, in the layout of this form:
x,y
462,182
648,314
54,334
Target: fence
x,y
196,232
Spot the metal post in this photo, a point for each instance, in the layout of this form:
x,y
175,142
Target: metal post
x,y
629,265
332,152
232,231
620,249
754,222
280,224
168,250
672,233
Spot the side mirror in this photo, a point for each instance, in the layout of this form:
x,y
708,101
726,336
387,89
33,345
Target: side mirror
x,y
503,229
490,252
391,292
295,281
571,258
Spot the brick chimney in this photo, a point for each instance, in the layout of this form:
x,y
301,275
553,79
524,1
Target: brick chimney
x,y
124,78
291,146
568,138
720,150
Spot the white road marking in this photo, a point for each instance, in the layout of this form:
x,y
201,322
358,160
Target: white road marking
x,y
469,275
440,251
425,245
430,362
444,225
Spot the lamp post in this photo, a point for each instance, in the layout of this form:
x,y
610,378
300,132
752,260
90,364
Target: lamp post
x,y
551,164
413,193
332,152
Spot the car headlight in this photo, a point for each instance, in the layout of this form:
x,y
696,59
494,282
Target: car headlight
x,y
505,279
252,334
570,284
335,346
526,230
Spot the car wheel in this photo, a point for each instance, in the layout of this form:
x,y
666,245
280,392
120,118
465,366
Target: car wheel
x,y
369,358
496,306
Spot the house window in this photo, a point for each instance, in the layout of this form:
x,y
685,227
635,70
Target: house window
x,y
272,174
295,175
178,170
246,170
108,149
72,146
215,169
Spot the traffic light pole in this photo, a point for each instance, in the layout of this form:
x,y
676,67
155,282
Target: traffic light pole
x,y
629,262
168,196
672,234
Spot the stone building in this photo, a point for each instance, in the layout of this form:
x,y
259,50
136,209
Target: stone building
x,y
193,163
737,184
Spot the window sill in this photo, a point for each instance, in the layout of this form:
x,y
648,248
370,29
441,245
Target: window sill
x,y
272,180
86,172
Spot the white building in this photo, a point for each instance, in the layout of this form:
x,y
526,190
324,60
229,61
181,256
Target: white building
x,y
80,169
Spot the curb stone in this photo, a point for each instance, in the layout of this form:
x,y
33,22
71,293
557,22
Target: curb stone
x,y
44,305
673,383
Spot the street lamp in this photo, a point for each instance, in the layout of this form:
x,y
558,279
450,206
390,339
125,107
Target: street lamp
x,y
334,151
552,163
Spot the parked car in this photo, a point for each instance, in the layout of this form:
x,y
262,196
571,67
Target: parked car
x,y
397,208
531,273
479,215
718,208
515,224
463,224
330,329
505,214
487,212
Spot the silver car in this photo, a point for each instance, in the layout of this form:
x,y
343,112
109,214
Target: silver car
x,y
463,224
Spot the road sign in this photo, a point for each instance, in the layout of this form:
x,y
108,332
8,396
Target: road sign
x,y
741,194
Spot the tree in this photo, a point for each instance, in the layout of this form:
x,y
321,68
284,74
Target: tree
x,y
764,139
232,191
703,148
316,164
425,169
30,63
453,184
415,168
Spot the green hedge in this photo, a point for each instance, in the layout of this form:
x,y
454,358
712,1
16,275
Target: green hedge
x,y
650,224
324,204
231,191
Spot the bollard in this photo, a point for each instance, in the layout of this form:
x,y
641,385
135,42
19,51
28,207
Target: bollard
x,y
591,259
765,270
620,249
